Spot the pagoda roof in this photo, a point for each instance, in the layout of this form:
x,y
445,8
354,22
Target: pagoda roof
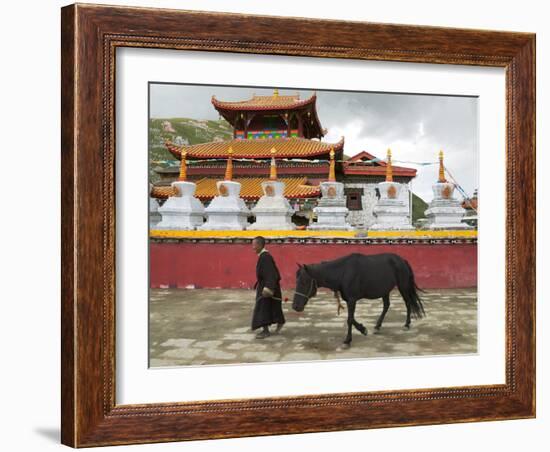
x,y
286,148
251,188
354,167
273,102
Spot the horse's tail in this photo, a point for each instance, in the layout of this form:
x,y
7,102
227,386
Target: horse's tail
x,y
411,290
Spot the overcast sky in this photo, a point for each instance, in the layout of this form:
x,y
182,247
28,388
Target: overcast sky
x,y
414,126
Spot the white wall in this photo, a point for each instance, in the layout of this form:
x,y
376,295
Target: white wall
x,y
30,243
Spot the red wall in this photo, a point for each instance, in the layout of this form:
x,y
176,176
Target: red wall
x,y
227,265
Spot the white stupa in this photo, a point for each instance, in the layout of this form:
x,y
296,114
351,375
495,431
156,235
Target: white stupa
x,y
391,211
154,215
227,211
182,211
273,211
331,209
444,212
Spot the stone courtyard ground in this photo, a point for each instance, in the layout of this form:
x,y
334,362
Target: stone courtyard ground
x,y
212,326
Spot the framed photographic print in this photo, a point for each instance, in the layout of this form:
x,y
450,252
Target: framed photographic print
x,y
267,231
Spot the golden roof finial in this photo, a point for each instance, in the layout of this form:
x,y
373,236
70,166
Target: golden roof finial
x,y
183,166
276,92
441,168
273,168
389,169
229,168
332,167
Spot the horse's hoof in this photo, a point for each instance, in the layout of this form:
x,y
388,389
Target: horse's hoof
x,y
364,332
406,327
377,327
345,345
377,331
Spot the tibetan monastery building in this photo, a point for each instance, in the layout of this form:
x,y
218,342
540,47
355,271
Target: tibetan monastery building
x,y
290,125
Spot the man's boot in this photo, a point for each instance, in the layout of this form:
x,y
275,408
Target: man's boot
x,y
264,333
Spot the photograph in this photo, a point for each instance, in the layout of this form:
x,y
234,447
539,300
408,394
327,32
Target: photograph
x,y
294,224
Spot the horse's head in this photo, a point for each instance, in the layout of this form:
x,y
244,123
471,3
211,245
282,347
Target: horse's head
x,y
306,287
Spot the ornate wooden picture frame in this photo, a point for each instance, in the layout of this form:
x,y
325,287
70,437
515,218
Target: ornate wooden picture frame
x,y
90,37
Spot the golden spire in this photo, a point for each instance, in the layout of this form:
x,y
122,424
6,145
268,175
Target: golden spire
x,y
276,92
183,166
389,170
273,168
331,171
441,168
229,168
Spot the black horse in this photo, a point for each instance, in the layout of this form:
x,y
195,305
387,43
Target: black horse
x,y
358,276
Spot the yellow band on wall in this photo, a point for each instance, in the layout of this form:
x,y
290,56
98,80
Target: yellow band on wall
x,y
156,233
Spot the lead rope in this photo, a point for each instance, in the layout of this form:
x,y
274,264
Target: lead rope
x,y
275,298
339,304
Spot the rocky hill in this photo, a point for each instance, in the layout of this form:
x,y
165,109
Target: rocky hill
x,y
182,131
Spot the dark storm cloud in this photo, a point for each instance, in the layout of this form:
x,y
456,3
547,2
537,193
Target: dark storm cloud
x,y
414,126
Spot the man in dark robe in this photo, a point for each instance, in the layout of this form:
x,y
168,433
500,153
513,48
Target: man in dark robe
x,y
268,308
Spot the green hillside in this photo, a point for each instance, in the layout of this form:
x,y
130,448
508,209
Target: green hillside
x,y
184,131
418,207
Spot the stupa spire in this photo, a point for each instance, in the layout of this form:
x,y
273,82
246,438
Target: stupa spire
x,y
441,168
332,167
273,168
276,92
229,168
183,166
389,169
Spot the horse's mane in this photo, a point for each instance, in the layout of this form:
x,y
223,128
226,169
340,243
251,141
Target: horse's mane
x,y
339,259
326,271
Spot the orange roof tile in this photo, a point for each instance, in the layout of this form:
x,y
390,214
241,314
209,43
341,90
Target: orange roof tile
x,y
286,148
265,103
162,191
295,187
